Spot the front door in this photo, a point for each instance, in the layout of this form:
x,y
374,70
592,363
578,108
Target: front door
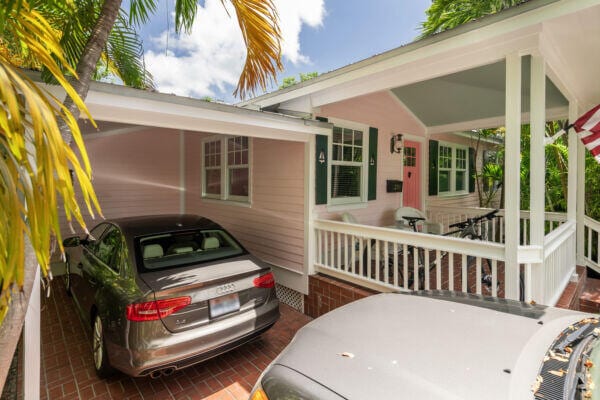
x,y
411,191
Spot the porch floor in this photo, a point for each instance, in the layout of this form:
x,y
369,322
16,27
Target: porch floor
x,y
68,371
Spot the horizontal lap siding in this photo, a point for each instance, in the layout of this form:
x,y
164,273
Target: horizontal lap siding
x,y
273,227
133,174
381,111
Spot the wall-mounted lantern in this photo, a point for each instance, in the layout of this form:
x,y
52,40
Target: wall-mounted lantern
x,y
396,143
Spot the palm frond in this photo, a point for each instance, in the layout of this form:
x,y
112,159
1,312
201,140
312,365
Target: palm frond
x,y
35,162
258,21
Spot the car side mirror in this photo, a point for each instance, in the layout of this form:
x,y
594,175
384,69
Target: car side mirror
x,y
72,241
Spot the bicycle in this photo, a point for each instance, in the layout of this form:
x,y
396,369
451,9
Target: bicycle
x,y
471,228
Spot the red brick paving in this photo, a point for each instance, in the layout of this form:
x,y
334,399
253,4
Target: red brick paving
x,y
590,298
68,371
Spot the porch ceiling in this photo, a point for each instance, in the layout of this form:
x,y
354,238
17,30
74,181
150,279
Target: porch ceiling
x,y
469,95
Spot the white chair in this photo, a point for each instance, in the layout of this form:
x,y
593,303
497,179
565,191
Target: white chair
x,y
349,218
423,226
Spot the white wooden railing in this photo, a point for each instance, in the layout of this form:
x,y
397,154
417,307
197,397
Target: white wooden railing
x,y
592,243
389,259
495,228
550,277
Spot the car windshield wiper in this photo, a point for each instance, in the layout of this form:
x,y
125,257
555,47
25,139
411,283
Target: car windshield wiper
x,y
574,338
576,371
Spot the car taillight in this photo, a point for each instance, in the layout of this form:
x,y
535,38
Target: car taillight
x,y
266,281
155,310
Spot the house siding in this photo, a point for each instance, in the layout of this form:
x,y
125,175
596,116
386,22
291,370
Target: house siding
x,y
384,112
133,174
272,228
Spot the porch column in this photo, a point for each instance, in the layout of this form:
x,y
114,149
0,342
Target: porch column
x,y
573,170
580,203
512,186
537,177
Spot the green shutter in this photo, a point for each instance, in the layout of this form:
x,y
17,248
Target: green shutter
x,y
433,167
321,160
373,132
471,170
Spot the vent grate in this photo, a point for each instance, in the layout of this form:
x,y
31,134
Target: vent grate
x,y
290,297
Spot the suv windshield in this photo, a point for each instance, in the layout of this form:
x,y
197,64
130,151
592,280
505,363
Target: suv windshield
x,y
177,249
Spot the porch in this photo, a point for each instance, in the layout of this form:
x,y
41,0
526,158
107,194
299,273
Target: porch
x,y
387,259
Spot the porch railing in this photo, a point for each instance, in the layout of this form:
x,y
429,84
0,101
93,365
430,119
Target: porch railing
x,y
550,278
387,259
592,243
450,215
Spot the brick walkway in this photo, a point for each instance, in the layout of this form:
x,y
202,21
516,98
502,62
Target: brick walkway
x,y
68,371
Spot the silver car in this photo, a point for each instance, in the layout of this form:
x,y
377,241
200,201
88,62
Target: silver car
x,y
438,345
161,293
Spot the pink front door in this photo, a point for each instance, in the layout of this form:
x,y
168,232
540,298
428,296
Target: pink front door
x,y
411,191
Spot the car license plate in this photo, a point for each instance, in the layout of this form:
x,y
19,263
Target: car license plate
x,y
224,305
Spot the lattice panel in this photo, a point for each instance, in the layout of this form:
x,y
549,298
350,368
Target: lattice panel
x,y
290,297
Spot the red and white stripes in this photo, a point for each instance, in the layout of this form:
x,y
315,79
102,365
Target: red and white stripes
x,y
588,127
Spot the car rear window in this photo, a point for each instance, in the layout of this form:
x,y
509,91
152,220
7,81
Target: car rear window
x,y
177,249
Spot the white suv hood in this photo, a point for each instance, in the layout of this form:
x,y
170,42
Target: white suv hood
x,y
394,346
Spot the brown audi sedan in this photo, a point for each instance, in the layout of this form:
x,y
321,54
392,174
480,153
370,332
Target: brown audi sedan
x,y
161,293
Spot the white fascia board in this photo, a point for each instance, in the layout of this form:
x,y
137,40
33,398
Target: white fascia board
x,y
456,40
125,105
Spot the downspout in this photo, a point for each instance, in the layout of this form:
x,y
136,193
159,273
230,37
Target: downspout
x,y
182,188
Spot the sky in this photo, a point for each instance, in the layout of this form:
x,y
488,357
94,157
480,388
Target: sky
x,y
318,35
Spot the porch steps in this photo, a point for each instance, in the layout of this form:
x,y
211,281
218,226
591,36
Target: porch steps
x,y
589,301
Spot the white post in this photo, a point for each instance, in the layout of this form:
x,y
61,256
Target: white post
x,y
512,186
573,165
581,153
309,205
537,173
31,343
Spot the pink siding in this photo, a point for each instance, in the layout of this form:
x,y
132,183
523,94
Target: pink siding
x,y
382,111
134,174
273,227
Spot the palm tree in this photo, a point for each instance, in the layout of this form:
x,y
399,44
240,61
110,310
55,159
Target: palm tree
x,y
35,163
257,20
447,14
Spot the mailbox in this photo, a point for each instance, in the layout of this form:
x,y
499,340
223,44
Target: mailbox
x,y
393,186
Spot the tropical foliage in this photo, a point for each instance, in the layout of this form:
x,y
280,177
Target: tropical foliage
x,y
291,80
37,168
447,14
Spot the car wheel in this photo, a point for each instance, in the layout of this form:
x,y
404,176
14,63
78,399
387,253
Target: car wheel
x,y
68,277
103,368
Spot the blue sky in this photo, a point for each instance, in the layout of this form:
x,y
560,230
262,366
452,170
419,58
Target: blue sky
x,y
319,35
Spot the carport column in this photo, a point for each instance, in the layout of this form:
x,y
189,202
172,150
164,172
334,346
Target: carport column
x,y
31,343
512,186
534,287
309,205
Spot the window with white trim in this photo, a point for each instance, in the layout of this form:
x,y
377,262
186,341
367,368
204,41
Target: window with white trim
x,y
226,168
348,165
453,169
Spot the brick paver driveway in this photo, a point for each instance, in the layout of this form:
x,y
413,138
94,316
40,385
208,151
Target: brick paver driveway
x,y
68,371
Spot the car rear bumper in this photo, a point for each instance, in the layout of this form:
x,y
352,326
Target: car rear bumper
x,y
172,351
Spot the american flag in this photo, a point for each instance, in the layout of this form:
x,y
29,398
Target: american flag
x,y
588,128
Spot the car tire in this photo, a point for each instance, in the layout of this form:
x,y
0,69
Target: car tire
x,y
68,278
101,364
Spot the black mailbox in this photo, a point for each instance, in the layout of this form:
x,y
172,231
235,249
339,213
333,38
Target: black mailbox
x,y
393,186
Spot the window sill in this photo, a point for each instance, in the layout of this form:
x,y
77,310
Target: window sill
x,y
344,207
458,194
226,202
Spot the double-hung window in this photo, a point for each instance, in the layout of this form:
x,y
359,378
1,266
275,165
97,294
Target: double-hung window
x,y
453,169
226,168
348,164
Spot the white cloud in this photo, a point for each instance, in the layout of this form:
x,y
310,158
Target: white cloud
x,y
208,61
